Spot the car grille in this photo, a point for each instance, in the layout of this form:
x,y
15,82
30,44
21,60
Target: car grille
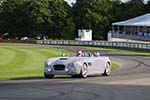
x,y
59,67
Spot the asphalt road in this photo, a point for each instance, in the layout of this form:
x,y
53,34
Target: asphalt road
x,y
130,82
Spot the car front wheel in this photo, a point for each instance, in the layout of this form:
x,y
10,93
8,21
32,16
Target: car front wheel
x,y
84,71
49,76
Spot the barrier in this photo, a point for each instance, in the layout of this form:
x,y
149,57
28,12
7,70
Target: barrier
x,y
96,43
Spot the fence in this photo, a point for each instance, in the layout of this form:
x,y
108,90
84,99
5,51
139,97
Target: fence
x,y
96,43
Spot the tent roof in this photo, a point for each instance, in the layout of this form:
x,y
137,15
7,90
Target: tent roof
x,y
143,20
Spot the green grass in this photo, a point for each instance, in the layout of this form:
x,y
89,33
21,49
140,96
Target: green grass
x,y
114,66
19,62
24,61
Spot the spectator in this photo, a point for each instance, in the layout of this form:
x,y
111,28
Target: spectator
x,y
140,33
1,36
145,34
149,34
80,53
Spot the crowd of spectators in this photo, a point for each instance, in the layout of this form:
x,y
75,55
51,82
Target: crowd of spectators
x,y
81,53
145,34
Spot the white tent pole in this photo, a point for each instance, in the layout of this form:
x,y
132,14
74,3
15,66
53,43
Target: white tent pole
x,y
112,29
131,31
124,29
145,28
138,29
118,28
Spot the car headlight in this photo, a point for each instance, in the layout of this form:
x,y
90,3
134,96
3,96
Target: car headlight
x,y
67,69
48,69
48,64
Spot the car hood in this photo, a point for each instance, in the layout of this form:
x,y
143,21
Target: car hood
x,y
66,60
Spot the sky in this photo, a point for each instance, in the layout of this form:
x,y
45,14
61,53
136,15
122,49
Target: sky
x,y
70,1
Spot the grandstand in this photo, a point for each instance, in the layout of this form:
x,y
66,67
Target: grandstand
x,y
135,29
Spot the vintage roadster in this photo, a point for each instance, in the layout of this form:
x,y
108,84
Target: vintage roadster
x,y
77,66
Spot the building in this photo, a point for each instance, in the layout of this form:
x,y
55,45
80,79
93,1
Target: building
x,y
135,29
84,35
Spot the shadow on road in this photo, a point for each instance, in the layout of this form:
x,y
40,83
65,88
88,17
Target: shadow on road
x,y
56,77
27,78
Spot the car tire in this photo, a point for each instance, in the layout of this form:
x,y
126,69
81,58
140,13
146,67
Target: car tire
x,y
74,76
49,76
84,71
107,70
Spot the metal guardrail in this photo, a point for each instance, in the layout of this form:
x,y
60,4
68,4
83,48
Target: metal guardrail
x,y
96,43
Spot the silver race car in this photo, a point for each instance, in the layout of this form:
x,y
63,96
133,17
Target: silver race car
x,y
82,65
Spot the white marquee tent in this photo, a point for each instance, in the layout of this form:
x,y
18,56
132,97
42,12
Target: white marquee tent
x,y
135,28
137,24
143,20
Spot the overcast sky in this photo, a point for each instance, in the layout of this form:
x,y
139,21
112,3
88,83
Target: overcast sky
x,y
70,1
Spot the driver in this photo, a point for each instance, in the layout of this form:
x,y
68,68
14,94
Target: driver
x,y
80,53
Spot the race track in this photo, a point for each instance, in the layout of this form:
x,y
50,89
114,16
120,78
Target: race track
x,y
130,82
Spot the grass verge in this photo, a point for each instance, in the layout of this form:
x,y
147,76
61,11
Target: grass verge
x,y
114,66
26,62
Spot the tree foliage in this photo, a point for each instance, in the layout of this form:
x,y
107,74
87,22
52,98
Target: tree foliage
x,y
118,10
33,17
135,8
93,14
10,17
63,25
56,19
147,6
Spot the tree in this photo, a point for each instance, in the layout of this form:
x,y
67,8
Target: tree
x,y
118,10
93,14
39,16
32,17
147,6
62,18
10,16
135,8
0,7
